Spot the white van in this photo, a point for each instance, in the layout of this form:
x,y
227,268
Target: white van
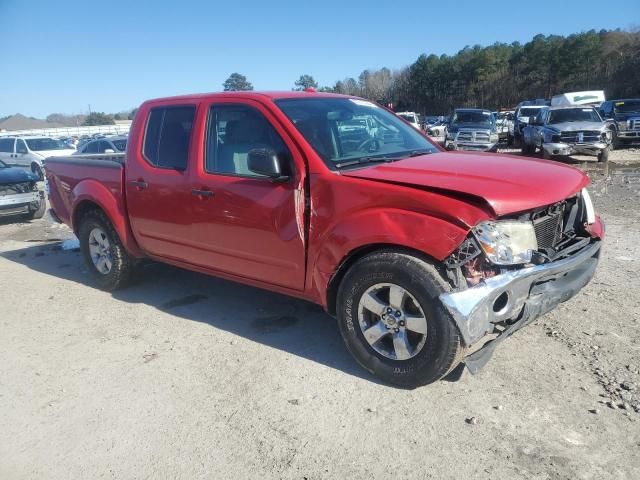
x,y
29,152
571,99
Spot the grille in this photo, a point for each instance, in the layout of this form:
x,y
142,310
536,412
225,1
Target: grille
x,y
635,124
581,136
14,188
470,136
548,229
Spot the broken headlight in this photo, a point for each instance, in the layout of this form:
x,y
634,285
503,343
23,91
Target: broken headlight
x,y
507,242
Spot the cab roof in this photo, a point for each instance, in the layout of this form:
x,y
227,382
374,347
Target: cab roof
x,y
248,94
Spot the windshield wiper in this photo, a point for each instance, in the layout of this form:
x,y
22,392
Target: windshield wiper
x,y
417,153
363,160
385,159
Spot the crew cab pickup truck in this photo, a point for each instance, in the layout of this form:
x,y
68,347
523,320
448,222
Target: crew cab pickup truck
x,y
472,129
428,259
564,131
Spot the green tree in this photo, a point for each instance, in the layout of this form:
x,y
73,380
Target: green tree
x,y
305,81
98,118
132,114
236,82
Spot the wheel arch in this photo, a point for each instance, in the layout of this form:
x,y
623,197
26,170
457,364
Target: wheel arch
x,y
352,257
96,197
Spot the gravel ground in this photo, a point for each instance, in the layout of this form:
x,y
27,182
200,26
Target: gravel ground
x,y
187,376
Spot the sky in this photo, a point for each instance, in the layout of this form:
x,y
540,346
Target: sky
x,y
62,56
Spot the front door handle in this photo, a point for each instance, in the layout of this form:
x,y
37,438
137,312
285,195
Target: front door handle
x,y
139,184
201,193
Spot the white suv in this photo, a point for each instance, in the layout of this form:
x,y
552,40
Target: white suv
x,y
31,151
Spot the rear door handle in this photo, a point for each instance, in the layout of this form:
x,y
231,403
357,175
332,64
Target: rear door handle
x,y
201,193
139,184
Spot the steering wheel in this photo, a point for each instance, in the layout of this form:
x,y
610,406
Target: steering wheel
x,y
371,144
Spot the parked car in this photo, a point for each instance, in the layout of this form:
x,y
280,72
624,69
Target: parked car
x,y
116,144
521,119
412,117
504,123
19,193
625,118
472,129
424,256
438,129
29,152
564,131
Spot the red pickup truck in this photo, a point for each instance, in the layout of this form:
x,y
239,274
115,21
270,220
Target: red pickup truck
x,y
428,259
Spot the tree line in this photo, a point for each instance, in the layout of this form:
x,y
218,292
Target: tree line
x,y
499,75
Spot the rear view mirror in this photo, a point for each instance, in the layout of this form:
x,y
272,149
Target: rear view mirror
x,y
265,161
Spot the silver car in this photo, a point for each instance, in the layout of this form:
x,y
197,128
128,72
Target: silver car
x,y
116,144
564,131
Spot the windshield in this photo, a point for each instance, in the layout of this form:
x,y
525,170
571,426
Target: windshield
x,y
41,144
574,115
628,106
350,129
121,145
528,112
462,116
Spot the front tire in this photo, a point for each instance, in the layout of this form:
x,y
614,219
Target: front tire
x,y
37,171
38,212
103,252
603,156
392,321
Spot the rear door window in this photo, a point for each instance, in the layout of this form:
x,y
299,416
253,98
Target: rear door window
x,y
6,145
166,141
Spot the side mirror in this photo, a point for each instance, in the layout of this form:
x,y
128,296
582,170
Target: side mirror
x,y
265,161
109,150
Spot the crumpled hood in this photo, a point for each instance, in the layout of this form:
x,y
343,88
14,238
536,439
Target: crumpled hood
x,y
11,175
508,184
575,126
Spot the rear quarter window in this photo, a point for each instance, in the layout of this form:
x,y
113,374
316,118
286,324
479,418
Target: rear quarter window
x,y
167,135
6,145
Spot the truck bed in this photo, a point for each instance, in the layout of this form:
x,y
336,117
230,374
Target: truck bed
x,y
70,179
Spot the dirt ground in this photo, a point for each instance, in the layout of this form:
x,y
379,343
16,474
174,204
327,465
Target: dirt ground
x,y
187,376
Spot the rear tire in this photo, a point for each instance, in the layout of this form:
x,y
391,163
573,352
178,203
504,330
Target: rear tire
x,y
103,252
37,171
418,358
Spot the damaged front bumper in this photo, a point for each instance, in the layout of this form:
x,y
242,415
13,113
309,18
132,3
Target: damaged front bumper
x,y
18,203
566,149
516,298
